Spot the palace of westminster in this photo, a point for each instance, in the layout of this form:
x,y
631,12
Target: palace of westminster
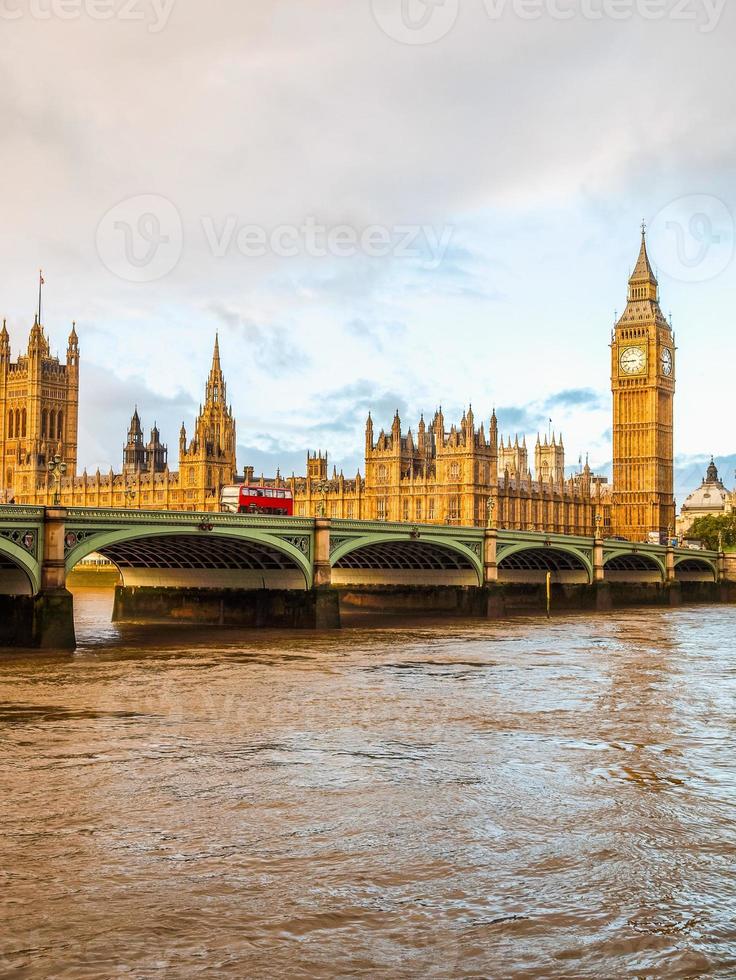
x,y
460,476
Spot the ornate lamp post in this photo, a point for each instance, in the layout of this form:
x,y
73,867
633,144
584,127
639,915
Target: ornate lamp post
x,y
491,509
57,469
598,523
322,488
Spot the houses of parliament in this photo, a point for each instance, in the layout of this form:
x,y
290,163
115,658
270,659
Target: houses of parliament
x,y
465,475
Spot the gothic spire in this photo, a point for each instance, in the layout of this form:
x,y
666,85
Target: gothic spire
x,y
216,389
135,425
643,283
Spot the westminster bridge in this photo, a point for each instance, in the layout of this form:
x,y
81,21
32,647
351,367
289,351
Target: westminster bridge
x,y
260,570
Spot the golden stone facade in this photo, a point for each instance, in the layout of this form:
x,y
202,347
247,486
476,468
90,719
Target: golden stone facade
x,y
455,477
464,475
39,403
206,462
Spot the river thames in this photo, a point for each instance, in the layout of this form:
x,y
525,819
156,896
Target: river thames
x,y
454,799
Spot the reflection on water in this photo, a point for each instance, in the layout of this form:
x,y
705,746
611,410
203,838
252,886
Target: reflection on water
x,y
466,799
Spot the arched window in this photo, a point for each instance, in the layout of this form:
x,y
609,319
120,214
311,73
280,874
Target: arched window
x,y
192,477
11,428
44,423
23,421
60,426
17,423
52,421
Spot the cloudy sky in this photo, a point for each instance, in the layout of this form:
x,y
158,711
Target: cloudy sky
x,y
378,203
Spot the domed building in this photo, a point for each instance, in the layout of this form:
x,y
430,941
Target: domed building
x,y
711,499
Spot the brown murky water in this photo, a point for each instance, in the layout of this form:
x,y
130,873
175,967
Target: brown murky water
x,y
456,800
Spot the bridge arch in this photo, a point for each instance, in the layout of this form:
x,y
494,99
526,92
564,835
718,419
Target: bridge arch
x,y
633,566
695,569
403,559
20,573
529,561
177,557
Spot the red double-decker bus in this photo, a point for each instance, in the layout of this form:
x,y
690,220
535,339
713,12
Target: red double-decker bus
x,y
243,499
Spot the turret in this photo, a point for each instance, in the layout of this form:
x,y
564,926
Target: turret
x,y
369,434
134,451
38,346
156,452
4,344
439,428
422,438
72,350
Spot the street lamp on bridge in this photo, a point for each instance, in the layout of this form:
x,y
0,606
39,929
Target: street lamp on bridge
x,y
57,469
322,488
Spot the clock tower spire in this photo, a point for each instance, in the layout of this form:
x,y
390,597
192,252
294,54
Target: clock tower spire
x,y
643,386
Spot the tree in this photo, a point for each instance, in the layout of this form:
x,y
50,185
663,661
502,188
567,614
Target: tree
x,y
709,531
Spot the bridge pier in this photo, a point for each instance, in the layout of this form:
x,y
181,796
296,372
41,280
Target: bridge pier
x,y
603,595
245,608
495,604
53,607
599,569
326,598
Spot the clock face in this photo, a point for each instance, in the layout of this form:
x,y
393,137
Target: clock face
x,y
666,362
633,360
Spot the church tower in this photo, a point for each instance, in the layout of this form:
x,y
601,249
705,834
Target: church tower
x,y
643,386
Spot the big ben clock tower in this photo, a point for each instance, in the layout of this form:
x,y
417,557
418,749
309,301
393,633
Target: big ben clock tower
x,y
643,385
